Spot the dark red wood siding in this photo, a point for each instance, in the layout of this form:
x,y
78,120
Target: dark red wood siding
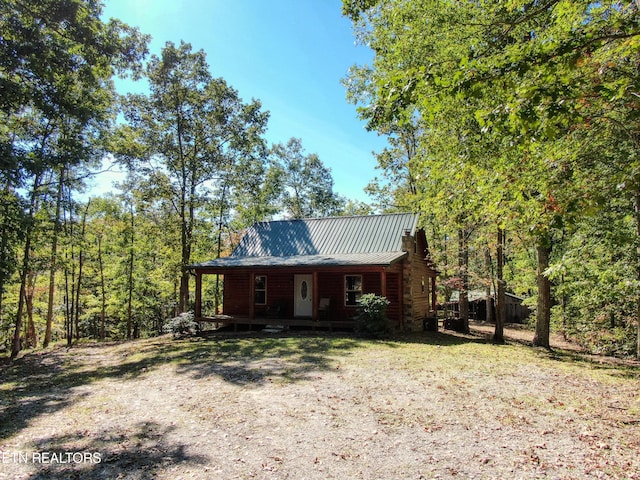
x,y
331,284
394,295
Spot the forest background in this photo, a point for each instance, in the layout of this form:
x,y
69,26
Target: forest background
x,y
513,130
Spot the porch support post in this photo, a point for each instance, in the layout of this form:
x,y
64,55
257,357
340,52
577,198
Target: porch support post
x,y
401,298
198,312
316,300
383,282
252,292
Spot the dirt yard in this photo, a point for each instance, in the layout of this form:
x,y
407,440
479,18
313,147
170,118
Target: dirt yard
x,y
440,405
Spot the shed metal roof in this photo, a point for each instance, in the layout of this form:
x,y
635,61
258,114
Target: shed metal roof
x,y
331,241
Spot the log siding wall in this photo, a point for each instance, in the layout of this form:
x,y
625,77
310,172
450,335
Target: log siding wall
x,y
408,285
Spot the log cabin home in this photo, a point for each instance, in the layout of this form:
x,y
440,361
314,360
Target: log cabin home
x,y
312,272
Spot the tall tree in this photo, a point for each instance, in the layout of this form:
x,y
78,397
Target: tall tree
x,y
534,71
57,59
53,260
398,188
186,134
306,184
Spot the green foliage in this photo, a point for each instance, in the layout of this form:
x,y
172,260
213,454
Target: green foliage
x,y
372,320
527,121
183,324
306,185
57,62
198,172
58,59
12,227
192,136
595,285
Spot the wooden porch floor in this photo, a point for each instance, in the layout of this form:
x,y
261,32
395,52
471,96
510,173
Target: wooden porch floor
x,y
235,320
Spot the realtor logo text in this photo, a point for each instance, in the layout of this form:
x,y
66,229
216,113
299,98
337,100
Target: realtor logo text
x,y
50,457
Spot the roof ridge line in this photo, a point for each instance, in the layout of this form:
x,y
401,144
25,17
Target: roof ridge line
x,y
336,217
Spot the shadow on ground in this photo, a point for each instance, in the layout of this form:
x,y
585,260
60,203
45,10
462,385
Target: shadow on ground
x,y
42,383
45,382
569,353
615,367
137,452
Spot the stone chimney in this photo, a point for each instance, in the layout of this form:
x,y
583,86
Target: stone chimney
x,y
408,242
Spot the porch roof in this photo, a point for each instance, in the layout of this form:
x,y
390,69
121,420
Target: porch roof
x,y
328,260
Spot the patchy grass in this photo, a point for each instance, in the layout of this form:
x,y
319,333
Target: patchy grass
x,y
309,406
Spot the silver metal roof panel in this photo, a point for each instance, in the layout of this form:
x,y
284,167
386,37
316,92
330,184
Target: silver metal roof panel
x,y
322,236
336,260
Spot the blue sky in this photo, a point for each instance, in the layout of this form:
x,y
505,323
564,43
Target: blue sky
x,y
289,54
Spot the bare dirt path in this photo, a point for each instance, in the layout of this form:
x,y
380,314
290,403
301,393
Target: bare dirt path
x,y
438,405
520,333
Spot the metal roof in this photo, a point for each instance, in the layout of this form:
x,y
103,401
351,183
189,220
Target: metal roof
x,y
361,240
322,236
338,260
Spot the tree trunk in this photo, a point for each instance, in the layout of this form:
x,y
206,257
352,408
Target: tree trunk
x,y
637,220
16,344
543,314
185,258
69,277
184,289
30,336
463,266
489,317
130,279
103,295
80,268
68,299
183,301
26,261
219,244
188,220
498,335
53,262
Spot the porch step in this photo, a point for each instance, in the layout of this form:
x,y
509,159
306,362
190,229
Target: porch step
x,y
274,329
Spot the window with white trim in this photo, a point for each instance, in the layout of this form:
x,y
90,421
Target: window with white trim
x,y
260,290
352,290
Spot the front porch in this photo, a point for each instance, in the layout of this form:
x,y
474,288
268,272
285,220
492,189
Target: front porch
x,y
221,321
299,297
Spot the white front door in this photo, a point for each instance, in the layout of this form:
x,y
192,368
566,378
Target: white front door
x,y
303,295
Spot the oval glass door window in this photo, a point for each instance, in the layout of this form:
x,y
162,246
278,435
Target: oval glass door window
x,y
303,290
